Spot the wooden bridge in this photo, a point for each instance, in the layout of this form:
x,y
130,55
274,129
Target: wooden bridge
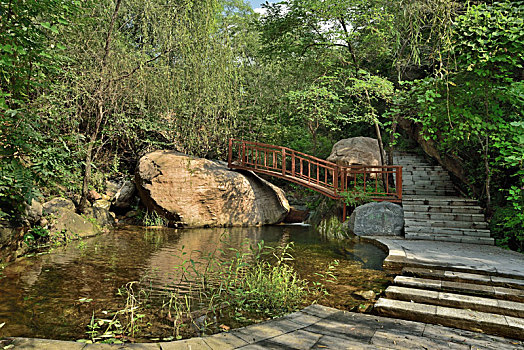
x,y
381,183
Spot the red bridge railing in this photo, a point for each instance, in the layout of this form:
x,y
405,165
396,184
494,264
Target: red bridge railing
x,y
381,183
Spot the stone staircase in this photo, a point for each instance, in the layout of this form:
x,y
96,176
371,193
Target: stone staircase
x,y
465,300
433,210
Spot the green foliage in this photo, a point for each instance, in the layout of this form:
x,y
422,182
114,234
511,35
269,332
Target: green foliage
x,y
36,235
356,197
152,219
30,57
474,111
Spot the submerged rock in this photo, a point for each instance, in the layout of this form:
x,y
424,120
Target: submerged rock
x,y
196,192
377,219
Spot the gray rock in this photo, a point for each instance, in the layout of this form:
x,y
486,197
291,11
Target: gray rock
x,y
7,232
103,204
33,212
125,195
377,219
72,225
356,151
100,212
112,187
366,294
57,204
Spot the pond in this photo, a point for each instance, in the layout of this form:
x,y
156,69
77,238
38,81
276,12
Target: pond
x,y
55,295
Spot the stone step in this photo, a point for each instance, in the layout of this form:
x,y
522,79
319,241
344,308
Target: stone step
x,y
418,178
438,201
497,292
423,167
467,277
449,231
443,193
448,224
426,183
501,307
442,209
427,173
442,216
439,186
450,238
508,326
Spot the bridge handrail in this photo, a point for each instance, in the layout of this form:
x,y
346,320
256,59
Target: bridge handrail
x,y
334,165
327,177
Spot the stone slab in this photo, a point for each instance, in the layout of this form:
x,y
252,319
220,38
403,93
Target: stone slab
x,y
405,309
188,344
508,282
336,343
391,340
517,309
509,294
35,343
126,346
460,257
418,282
474,339
224,341
302,318
300,339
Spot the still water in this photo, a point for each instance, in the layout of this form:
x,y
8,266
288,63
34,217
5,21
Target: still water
x,y
54,295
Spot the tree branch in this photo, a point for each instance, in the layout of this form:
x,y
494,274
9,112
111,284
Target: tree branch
x,y
134,70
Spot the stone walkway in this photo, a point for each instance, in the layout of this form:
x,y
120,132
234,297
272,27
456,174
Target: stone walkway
x,y
315,327
458,256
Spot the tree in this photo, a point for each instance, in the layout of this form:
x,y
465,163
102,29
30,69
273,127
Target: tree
x,y
30,57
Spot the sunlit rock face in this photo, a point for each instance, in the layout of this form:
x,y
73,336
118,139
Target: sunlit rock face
x,y
196,192
356,151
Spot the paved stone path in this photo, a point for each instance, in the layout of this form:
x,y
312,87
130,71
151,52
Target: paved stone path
x,y
459,256
468,286
315,327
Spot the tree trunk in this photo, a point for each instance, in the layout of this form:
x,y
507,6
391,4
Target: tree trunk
x,y
98,93
89,158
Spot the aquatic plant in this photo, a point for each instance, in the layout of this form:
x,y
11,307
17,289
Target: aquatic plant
x,y
230,285
332,228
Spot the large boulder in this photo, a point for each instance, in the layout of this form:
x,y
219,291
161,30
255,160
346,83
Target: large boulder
x,y
377,219
196,192
356,151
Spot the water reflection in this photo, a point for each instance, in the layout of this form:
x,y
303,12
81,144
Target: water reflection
x,y
41,296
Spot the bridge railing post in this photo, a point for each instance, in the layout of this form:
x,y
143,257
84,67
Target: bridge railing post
x,y
230,153
335,180
293,164
399,182
243,160
283,161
